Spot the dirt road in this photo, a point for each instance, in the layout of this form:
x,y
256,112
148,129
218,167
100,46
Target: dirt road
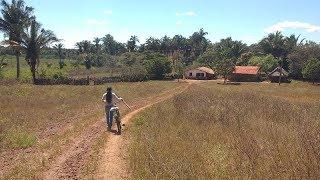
x,y
114,164
71,162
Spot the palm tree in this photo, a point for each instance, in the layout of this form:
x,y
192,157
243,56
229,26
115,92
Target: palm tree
x,y
109,44
96,42
199,42
15,17
274,44
59,49
79,46
132,43
33,40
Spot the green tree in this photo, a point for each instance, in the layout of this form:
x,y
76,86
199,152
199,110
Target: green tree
x,y
165,45
178,43
312,70
224,68
177,65
59,49
97,45
267,63
110,45
34,40
157,65
152,44
84,47
15,17
274,44
199,43
244,58
132,43
230,49
298,58
278,45
131,58
208,57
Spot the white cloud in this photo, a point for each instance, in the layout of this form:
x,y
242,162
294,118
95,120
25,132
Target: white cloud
x,y
189,13
96,22
108,12
281,26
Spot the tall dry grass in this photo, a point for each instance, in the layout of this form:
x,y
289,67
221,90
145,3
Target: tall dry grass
x,y
36,122
255,131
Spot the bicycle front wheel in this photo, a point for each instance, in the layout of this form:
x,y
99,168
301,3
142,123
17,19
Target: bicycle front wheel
x,y
118,121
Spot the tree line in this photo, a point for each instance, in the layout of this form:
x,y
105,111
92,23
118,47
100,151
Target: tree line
x,y
24,34
301,58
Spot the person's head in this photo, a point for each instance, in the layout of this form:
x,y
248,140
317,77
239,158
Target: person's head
x,y
109,95
109,89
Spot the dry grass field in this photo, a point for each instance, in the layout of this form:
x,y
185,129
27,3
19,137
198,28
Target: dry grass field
x,y
249,131
38,122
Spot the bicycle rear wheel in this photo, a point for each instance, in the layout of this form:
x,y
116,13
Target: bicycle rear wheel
x,y
118,121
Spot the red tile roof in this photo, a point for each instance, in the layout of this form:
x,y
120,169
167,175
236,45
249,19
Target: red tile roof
x,y
246,70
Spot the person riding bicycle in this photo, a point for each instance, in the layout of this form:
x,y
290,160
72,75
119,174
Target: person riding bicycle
x,y
108,98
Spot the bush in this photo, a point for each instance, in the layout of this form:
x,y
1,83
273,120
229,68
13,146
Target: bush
x,y
312,70
131,58
62,64
267,63
1,75
157,65
88,63
134,73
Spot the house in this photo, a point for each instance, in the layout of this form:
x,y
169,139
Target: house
x,y
200,73
246,73
274,76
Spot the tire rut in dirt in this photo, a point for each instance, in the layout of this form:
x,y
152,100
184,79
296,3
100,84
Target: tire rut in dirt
x,y
72,164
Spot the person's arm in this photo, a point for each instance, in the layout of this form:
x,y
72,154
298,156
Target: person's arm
x,y
104,97
117,97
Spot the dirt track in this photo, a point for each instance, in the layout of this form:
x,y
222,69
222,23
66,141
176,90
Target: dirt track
x,y
114,164
70,164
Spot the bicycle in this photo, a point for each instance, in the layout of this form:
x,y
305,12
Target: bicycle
x,y
116,116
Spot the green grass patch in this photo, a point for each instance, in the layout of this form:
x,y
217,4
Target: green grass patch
x,y
18,139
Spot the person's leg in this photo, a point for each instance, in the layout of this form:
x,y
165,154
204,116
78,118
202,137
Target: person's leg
x,y
110,117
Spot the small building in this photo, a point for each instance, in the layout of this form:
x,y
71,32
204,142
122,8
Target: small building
x,y
246,74
203,73
274,76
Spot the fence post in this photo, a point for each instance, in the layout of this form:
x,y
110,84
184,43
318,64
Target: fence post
x,y
88,80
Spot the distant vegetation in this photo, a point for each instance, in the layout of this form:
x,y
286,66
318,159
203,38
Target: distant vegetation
x,y
170,55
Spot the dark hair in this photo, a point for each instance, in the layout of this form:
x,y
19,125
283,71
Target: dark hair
x,y
109,95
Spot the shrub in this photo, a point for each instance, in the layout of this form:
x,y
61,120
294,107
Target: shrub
x,y
157,65
267,63
134,73
312,70
131,58
62,64
1,75
58,76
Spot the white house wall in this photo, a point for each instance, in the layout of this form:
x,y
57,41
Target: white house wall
x,y
194,72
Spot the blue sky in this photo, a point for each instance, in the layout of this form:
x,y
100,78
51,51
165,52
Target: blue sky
x,y
246,20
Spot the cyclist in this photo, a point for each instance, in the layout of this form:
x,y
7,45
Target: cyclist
x,y
109,98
